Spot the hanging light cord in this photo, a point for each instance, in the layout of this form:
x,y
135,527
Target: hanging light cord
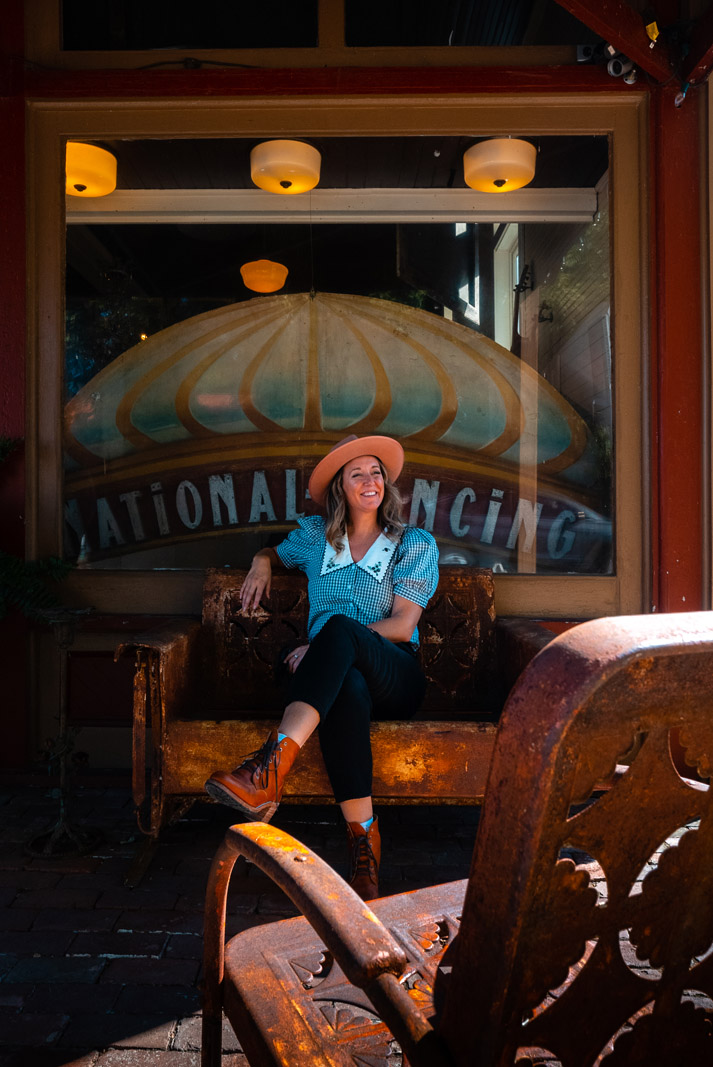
x,y
192,63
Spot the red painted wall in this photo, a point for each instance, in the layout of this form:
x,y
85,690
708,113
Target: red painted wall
x,y
678,400
13,632
418,81
12,285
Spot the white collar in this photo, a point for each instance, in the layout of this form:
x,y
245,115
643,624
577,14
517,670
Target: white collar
x,y
375,562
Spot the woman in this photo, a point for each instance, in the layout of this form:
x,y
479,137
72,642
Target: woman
x,y
369,579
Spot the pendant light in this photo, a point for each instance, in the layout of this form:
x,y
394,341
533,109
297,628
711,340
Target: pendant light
x,y
499,165
285,166
263,275
89,170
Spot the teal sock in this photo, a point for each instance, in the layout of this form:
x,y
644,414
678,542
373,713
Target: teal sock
x,y
281,737
368,823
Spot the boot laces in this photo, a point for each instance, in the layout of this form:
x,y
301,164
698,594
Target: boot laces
x,y
260,761
363,858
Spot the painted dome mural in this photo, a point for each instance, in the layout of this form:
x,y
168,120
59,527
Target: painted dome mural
x,y
339,364
266,385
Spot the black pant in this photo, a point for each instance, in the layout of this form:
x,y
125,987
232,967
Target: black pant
x,y
349,675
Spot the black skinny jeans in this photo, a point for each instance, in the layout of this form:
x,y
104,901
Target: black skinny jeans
x,y
351,674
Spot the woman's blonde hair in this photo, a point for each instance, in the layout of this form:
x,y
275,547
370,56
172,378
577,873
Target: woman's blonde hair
x,y
388,516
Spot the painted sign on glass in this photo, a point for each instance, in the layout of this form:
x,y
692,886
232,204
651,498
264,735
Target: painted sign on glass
x,y
196,441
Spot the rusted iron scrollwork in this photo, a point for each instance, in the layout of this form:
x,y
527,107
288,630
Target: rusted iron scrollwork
x,y
584,936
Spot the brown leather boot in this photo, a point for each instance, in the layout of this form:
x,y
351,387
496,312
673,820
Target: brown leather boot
x,y
255,787
364,859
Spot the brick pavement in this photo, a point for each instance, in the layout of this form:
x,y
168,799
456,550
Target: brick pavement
x,y
95,974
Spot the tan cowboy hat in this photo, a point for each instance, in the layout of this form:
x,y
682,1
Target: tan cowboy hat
x,y
386,449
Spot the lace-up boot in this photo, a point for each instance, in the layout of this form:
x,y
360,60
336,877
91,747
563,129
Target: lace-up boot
x,y
364,859
255,787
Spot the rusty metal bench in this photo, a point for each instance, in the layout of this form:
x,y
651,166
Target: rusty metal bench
x,y
537,957
209,694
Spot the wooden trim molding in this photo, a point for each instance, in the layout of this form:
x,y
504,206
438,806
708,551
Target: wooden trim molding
x,y
622,116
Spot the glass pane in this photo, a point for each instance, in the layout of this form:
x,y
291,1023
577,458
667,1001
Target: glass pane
x,y
195,409
133,25
485,23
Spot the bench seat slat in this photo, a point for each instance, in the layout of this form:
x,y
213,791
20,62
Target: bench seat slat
x,y
436,762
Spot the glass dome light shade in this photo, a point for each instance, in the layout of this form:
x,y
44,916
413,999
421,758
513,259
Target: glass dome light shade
x,y
90,171
263,276
499,165
285,166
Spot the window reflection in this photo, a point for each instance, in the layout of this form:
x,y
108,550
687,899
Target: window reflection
x,y
195,412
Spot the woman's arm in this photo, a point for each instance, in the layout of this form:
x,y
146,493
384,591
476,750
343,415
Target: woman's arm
x,y
258,580
401,623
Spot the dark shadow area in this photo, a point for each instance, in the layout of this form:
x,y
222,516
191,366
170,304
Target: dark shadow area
x,y
90,968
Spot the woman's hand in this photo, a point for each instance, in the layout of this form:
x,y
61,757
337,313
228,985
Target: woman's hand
x,y
257,582
295,657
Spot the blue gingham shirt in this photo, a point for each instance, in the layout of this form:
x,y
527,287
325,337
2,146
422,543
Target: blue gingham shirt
x,y
365,590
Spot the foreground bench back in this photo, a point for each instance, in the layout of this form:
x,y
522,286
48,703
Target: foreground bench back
x,y
586,927
629,953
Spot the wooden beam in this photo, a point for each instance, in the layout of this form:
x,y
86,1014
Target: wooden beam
x,y
331,24
699,61
353,81
333,205
621,26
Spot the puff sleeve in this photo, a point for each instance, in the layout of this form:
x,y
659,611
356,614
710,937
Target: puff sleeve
x,y
300,545
416,566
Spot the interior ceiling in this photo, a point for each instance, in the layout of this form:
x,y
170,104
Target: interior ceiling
x,y
349,163
201,260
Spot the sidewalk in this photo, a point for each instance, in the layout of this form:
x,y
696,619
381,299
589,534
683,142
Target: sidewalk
x,y
95,974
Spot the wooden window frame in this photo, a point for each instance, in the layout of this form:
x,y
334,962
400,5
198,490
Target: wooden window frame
x,y
623,117
707,442
43,46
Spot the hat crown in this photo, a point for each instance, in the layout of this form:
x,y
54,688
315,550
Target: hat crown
x,y
344,441
388,451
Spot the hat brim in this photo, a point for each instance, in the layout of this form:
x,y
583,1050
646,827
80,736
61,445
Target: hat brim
x,y
386,449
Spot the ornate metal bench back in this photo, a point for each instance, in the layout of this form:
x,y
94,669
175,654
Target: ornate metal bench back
x,y
589,915
240,653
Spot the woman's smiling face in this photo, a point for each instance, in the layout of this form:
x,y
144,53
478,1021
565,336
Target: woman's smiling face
x,y
363,484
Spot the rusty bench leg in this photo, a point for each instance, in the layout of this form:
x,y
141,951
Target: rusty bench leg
x,y
141,862
170,811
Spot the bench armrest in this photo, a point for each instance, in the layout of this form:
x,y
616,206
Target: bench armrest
x,y
367,952
518,641
167,661
167,635
170,653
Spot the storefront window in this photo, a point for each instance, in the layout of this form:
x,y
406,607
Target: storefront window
x,y
195,409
